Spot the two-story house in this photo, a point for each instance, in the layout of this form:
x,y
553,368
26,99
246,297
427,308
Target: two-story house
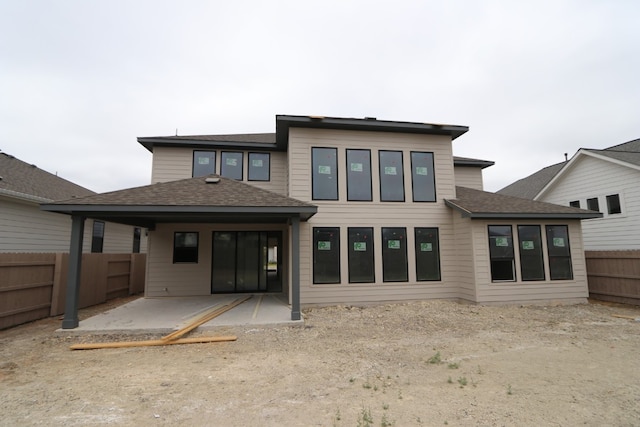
x,y
336,210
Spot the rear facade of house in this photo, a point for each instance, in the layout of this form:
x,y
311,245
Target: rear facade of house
x,y
393,220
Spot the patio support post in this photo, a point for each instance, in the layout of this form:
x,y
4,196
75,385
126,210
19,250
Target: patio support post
x,y
295,268
71,320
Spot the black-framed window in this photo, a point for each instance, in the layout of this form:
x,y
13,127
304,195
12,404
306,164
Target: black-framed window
x,y
427,249
531,256
559,251
575,204
613,204
231,165
326,255
361,259
324,176
204,163
391,176
259,167
501,253
359,175
593,205
423,179
97,237
394,254
185,247
137,232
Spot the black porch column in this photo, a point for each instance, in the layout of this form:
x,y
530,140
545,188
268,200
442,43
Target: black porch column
x,y
73,276
295,268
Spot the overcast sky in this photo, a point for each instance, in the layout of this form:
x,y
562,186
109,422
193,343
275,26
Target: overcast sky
x,y
80,80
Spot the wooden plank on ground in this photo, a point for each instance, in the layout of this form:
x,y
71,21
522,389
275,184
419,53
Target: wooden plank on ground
x,y
204,319
148,343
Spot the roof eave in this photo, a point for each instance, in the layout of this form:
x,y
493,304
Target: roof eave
x,y
150,142
521,215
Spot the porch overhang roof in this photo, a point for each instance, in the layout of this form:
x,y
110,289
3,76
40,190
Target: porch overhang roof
x,y
195,200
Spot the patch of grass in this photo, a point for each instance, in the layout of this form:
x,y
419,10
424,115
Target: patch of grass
x,y
462,381
367,385
450,381
435,359
365,419
509,391
385,422
352,380
453,365
385,406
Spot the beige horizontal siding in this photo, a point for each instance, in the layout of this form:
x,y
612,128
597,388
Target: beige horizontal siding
x,y
171,163
469,177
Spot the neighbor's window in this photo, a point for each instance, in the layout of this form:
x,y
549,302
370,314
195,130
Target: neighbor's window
x,y
423,177
613,204
394,254
326,255
531,258
502,253
185,247
259,167
204,163
593,205
361,263
325,174
391,176
136,240
359,175
231,165
427,251
575,204
97,237
559,252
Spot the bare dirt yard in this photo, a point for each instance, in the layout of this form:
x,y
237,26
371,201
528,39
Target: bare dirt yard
x,y
428,363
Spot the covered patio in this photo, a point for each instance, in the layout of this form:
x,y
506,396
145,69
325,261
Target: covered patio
x,y
201,200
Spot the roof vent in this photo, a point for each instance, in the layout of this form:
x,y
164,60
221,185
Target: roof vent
x,y
212,180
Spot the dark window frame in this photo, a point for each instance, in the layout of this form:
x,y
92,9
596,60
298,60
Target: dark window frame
x,y
137,236
574,203
495,259
315,191
251,168
420,277
351,255
556,255
349,173
185,254
196,155
316,254
431,171
524,246
223,164
388,263
593,203
97,236
614,207
381,176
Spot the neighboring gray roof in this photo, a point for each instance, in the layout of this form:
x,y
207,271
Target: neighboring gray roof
x,y
482,204
24,180
530,187
186,200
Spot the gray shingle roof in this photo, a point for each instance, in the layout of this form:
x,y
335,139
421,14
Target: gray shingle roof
x,y
529,187
482,204
25,179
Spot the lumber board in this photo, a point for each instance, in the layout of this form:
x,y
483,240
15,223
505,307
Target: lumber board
x,y
622,316
204,319
149,343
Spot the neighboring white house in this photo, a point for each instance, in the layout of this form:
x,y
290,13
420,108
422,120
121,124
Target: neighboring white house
x,y
24,227
606,181
357,210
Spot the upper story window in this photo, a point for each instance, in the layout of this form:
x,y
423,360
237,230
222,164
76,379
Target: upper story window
x,y
575,204
231,165
359,175
593,205
613,204
391,176
204,163
423,177
324,176
259,167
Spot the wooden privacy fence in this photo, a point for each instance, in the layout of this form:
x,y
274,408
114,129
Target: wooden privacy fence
x,y
614,275
33,286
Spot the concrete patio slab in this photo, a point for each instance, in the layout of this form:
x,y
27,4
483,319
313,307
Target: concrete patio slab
x,y
164,315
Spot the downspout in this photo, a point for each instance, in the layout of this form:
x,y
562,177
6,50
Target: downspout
x,y
71,320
